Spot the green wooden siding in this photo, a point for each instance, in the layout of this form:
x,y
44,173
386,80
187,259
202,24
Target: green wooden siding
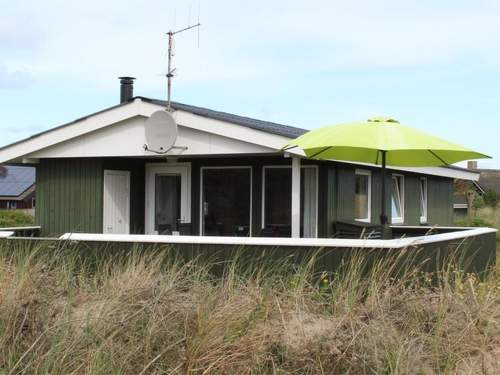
x,y
440,196
440,201
69,196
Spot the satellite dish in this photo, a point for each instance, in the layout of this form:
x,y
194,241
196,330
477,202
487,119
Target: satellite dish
x,y
161,132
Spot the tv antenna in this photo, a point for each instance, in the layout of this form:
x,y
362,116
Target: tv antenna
x,y
170,70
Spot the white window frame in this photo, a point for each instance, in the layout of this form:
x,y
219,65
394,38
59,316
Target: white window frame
x,y
263,200
11,205
423,218
364,172
251,192
399,219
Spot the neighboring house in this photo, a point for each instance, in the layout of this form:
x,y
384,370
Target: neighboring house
x,y
17,187
489,179
227,177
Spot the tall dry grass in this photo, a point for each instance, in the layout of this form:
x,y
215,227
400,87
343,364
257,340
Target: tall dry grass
x,y
152,312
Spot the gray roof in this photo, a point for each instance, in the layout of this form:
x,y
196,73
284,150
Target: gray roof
x,y
265,126
16,180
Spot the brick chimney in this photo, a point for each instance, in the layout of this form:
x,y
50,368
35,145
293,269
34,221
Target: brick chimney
x,y
126,88
472,164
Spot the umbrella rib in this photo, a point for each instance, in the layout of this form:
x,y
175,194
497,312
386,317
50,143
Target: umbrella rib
x,y
289,147
437,156
319,152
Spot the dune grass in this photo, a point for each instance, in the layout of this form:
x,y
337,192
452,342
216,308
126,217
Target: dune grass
x,y
64,311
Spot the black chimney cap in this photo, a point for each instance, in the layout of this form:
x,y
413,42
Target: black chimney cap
x,y
126,79
126,88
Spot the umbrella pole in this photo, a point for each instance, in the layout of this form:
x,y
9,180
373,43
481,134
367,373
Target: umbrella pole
x,y
386,229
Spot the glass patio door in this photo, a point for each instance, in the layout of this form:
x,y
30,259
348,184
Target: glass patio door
x,y
167,216
168,198
226,201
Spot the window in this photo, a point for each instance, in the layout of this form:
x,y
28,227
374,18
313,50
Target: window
x,y
277,201
277,207
397,199
423,200
11,205
226,196
362,195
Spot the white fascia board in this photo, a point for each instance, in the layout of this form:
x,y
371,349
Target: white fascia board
x,y
69,131
460,174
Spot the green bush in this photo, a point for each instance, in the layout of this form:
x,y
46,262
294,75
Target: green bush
x,y
478,202
491,198
12,218
473,222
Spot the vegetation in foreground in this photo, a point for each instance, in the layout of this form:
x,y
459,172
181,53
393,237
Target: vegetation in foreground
x,y
13,218
152,312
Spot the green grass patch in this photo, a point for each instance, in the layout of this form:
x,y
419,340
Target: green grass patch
x,y
13,218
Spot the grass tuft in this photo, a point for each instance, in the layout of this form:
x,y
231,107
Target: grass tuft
x,y
74,311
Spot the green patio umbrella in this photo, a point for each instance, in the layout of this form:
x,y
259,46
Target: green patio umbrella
x,y
382,141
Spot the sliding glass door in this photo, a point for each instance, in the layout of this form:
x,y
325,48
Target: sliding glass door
x,y
277,201
226,194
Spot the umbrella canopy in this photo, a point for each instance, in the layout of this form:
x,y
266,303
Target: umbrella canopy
x,y
364,142
382,141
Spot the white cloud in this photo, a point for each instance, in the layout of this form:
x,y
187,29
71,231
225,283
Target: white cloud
x,y
94,41
13,80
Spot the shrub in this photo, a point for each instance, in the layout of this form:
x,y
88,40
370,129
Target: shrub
x,y
473,222
491,198
13,218
478,202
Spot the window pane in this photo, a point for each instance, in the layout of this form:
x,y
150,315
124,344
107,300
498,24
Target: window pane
x,y
361,197
167,203
278,197
423,198
396,203
226,202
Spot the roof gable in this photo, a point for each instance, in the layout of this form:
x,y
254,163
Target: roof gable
x,y
266,136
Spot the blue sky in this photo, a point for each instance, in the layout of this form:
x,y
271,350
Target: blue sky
x,y
433,65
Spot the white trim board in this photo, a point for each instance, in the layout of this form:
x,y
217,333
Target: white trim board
x,y
279,241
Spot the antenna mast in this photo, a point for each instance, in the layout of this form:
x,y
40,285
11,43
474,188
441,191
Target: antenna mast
x,y
170,70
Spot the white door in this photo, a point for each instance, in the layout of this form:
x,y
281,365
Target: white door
x,y
168,197
116,202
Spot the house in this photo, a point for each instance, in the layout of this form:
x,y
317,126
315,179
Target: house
x,y
17,188
466,191
226,176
